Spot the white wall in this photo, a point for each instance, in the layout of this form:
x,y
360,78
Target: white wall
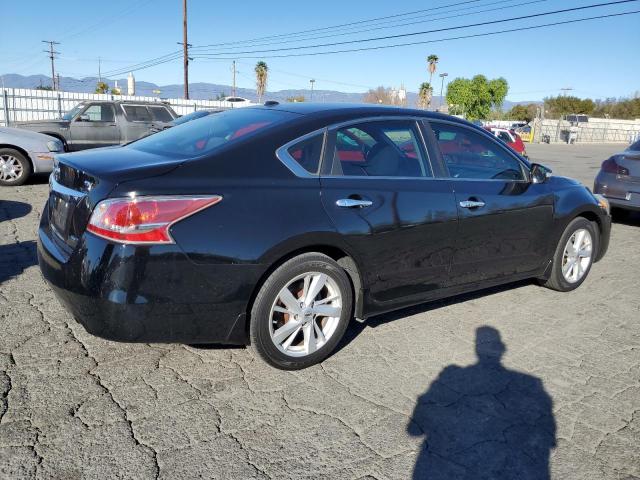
x,y
26,104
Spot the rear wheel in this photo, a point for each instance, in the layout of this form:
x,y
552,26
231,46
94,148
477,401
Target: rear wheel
x,y
301,312
15,168
574,255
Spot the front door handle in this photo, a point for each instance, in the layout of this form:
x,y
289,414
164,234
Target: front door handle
x,y
353,203
472,204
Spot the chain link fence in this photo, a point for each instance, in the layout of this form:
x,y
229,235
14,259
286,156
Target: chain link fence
x,y
593,131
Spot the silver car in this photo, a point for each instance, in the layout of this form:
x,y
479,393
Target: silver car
x,y
619,179
23,153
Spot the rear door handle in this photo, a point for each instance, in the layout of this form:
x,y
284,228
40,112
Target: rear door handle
x,y
353,203
472,204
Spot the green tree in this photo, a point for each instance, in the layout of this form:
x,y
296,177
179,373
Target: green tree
x,y
624,109
557,107
102,87
523,112
432,61
475,97
262,72
296,98
44,87
424,95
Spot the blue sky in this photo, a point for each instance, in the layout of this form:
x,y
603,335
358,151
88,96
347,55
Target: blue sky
x,y
597,59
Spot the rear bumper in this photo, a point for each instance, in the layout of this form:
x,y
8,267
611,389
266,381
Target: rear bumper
x,y
148,294
620,193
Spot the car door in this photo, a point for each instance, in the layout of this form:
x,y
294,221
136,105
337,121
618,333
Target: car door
x,y
504,218
95,126
378,188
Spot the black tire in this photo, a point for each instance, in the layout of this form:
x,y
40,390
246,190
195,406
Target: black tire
x,y
260,335
24,162
556,280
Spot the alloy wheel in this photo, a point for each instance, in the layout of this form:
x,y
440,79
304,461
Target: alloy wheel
x,y
577,255
305,314
10,168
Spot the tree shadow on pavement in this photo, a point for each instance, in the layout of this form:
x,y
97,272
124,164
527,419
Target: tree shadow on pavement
x,y
484,421
15,258
10,210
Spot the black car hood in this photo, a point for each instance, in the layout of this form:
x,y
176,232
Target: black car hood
x,y
120,164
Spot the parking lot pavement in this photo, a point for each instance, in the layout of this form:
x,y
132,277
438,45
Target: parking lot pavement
x,y
567,388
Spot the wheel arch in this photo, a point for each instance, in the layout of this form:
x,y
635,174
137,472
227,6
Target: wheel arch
x,y
339,254
21,150
59,137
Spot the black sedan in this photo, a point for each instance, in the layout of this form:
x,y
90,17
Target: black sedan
x,y
277,225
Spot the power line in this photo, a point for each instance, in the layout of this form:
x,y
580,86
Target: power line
x,y
386,26
358,22
477,35
424,32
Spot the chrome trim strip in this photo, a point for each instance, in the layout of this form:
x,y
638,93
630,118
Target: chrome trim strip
x,y
291,163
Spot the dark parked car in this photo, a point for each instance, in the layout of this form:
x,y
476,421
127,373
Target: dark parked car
x,y
277,225
94,124
619,179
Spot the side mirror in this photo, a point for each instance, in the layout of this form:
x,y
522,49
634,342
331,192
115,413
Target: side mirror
x,y
539,173
83,118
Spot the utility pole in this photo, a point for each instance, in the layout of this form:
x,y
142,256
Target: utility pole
x,y
99,69
312,81
233,88
185,49
52,55
442,75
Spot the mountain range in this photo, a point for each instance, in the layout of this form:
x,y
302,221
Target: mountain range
x,y
199,90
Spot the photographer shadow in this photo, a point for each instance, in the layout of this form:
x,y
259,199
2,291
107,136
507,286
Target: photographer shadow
x,y
484,421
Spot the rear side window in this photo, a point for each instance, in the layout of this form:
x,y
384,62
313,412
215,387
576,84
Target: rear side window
x,y
211,132
470,155
635,146
137,113
160,114
307,153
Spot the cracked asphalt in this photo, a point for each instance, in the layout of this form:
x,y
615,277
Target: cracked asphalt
x,y
553,393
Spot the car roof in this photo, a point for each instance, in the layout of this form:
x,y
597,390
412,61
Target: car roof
x,y
125,102
355,110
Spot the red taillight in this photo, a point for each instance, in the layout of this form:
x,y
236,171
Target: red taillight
x,y
144,219
611,166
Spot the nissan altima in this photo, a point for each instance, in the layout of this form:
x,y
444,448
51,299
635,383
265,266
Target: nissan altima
x,y
276,225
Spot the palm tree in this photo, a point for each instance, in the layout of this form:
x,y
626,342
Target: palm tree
x,y
262,72
432,60
424,95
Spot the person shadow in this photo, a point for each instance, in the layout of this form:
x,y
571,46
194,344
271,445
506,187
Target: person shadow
x,y
484,421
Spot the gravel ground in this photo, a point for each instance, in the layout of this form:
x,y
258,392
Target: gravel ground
x,y
564,402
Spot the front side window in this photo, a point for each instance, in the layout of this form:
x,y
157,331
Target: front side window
x,y
307,153
137,113
389,148
471,155
98,113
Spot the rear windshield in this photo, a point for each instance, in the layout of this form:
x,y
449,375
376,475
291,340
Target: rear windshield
x,y
204,135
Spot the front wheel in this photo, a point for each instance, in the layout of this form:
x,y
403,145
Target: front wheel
x,y
15,168
574,256
301,312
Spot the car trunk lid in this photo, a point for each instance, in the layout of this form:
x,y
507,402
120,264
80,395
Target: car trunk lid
x,y
80,180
